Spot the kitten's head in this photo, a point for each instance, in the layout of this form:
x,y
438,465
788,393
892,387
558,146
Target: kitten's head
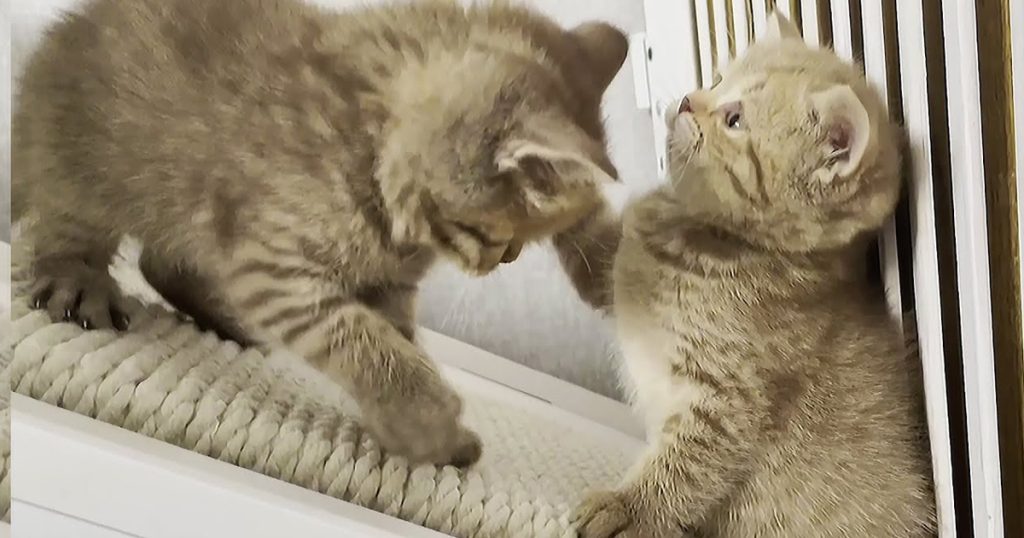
x,y
791,149
497,140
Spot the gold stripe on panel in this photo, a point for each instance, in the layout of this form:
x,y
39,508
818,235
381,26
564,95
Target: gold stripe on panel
x,y
825,23
696,43
999,122
730,25
714,39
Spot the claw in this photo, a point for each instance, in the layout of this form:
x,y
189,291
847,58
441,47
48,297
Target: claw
x,y
40,300
86,324
121,320
68,314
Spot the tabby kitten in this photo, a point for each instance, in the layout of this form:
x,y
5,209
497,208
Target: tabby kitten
x,y
292,172
778,395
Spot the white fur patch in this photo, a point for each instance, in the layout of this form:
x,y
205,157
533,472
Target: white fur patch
x,y
647,368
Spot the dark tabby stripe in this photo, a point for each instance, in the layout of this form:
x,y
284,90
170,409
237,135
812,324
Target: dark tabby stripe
x,y
274,270
713,423
261,298
285,315
758,173
697,374
737,186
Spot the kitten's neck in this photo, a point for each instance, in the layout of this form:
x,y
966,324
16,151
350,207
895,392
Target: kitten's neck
x,y
703,244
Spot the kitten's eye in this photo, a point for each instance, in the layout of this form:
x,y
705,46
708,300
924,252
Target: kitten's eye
x,y
732,114
732,120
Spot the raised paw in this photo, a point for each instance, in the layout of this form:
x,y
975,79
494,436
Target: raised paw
x,y
81,295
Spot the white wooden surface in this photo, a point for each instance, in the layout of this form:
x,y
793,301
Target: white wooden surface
x,y
842,35
970,220
101,478
38,522
741,25
914,78
113,478
809,14
760,18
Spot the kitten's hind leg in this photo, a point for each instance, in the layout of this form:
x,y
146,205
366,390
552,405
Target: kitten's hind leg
x,y
71,272
192,295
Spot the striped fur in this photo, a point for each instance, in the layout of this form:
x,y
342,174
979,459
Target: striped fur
x,y
779,398
293,172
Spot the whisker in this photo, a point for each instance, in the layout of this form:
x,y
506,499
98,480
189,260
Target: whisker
x,y
586,262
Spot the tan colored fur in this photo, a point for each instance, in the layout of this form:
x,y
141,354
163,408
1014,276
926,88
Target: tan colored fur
x,y
779,397
292,172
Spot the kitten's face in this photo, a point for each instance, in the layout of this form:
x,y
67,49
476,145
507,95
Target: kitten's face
x,y
790,149
502,144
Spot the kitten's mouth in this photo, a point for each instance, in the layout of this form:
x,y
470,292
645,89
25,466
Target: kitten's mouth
x,y
686,131
684,141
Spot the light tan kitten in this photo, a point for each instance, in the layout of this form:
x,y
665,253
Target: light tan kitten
x,y
293,172
779,398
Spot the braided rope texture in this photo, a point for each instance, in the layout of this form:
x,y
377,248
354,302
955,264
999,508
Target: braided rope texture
x,y
166,380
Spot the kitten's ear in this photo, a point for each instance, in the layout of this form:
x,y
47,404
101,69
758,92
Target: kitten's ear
x,y
606,47
847,129
779,27
551,176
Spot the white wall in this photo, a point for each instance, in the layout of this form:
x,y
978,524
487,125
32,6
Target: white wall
x,y
527,311
5,124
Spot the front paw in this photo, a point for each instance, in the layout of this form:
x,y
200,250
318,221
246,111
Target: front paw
x,y
605,514
617,514
75,293
427,432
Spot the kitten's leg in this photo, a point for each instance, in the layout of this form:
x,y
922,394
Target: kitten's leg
x,y
701,456
71,271
404,401
587,254
193,295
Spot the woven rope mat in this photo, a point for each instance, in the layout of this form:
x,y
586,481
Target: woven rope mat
x,y
166,380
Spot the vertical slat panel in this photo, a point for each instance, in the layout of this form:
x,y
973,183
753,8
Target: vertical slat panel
x,y
876,70
842,34
704,42
720,18
914,76
741,25
782,6
809,14
970,219
760,17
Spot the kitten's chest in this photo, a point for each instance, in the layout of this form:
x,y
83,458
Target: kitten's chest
x,y
666,321
655,335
